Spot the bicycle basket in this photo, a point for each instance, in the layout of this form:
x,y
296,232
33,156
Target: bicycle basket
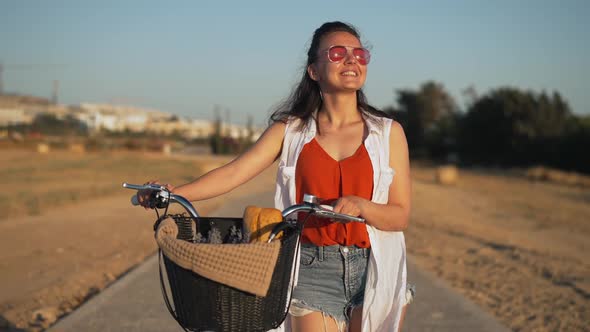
x,y
201,304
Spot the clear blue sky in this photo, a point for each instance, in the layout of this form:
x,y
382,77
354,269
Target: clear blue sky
x,y
245,56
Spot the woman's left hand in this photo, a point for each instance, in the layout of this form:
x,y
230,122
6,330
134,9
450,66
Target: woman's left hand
x,y
351,205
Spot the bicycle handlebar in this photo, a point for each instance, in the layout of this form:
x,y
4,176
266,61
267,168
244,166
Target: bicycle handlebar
x,y
311,205
321,211
161,198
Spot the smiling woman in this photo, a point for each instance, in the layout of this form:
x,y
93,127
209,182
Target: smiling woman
x,y
331,143
339,147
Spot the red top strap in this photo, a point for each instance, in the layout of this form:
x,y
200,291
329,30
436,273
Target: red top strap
x,y
317,173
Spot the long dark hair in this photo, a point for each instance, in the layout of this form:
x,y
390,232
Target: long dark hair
x,y
305,99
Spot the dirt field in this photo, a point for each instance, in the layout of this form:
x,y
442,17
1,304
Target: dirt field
x,y
517,248
54,256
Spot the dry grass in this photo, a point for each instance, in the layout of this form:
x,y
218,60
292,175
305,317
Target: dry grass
x,y
33,183
516,247
68,230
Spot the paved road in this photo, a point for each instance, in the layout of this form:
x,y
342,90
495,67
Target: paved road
x,y
134,302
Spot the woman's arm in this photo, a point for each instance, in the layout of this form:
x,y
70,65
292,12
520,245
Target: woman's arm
x,y
394,215
246,166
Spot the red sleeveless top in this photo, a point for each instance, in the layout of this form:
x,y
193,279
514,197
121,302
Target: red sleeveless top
x,y
319,174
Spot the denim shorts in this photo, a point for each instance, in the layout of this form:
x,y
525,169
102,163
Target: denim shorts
x,y
331,280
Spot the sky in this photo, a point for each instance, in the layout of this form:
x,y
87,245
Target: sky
x,y
244,57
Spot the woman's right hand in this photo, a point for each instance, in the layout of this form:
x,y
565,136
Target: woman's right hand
x,y
144,196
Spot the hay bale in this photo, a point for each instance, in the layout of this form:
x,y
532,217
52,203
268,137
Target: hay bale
x,y
572,179
538,173
43,148
77,148
447,175
556,176
166,149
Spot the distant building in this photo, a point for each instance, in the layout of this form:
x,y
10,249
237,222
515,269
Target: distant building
x,y
199,129
117,118
135,122
113,117
14,116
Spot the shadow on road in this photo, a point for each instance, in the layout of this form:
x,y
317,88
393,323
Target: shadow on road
x,y
6,326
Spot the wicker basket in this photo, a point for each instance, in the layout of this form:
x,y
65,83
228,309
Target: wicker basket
x,y
200,304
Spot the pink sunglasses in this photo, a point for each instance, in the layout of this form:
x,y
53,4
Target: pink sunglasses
x,y
337,53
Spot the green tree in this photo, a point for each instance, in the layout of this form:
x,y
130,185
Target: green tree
x,y
509,126
49,124
399,116
424,109
216,139
572,148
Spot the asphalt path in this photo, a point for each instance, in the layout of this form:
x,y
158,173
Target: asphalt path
x,y
135,302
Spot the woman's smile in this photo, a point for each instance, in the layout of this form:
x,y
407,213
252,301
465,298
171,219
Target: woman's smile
x,y
349,73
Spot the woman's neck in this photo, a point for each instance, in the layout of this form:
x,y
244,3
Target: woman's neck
x,y
339,110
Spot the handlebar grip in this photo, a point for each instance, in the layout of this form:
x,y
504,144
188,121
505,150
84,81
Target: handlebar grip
x,y
134,200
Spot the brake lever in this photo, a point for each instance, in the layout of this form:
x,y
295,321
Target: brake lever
x,y
328,211
341,218
159,197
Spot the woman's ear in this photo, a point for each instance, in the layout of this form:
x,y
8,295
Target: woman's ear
x,y
312,72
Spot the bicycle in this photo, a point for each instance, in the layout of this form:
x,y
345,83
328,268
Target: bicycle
x,y
199,303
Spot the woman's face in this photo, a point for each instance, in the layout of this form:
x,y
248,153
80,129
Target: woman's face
x,y
345,75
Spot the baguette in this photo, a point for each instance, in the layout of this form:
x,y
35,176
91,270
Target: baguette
x,y
260,222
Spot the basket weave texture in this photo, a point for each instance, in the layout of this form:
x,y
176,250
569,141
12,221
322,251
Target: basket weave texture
x,y
247,267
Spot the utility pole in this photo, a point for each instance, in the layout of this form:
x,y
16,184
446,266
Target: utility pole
x,y
1,85
227,120
55,94
3,68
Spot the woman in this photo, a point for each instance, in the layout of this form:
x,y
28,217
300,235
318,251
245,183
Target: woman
x,y
331,143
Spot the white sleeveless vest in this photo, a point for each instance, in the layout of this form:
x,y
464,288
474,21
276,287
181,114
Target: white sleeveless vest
x,y
386,273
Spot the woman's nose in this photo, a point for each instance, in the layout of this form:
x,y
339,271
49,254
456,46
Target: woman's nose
x,y
349,58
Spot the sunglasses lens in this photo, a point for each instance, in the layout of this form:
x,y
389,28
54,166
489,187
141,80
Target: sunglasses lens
x,y
362,55
336,53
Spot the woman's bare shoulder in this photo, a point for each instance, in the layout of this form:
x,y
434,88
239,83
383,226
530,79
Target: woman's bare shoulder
x,y
396,132
277,128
